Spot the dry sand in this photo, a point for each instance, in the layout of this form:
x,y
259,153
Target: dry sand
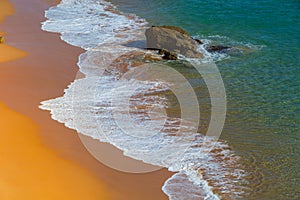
x,y
7,52
40,158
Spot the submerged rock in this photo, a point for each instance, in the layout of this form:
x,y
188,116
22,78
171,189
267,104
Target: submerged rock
x,y
217,48
173,40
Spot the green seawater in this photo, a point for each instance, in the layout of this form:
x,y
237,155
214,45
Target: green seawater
x,y
263,87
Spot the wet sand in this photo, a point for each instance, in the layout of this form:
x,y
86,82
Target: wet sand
x,y
41,158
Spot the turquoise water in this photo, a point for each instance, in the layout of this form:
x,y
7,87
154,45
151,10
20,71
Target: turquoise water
x,y
263,87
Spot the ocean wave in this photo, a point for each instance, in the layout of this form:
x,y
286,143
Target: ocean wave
x,y
98,105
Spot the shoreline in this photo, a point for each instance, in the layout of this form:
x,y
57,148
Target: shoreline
x,y
45,74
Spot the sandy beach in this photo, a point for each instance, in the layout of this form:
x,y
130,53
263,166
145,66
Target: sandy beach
x,y
8,52
40,158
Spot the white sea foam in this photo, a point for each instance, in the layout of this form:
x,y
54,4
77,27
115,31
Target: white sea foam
x,y
89,23
92,105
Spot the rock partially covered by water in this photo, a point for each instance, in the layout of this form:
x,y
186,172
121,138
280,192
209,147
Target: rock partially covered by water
x,y
217,48
172,39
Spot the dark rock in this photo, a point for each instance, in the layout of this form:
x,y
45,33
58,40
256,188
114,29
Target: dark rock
x,y
172,39
218,48
198,41
1,39
168,55
161,52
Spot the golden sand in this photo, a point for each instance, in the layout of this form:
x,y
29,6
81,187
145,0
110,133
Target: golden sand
x,y
6,9
28,170
8,53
